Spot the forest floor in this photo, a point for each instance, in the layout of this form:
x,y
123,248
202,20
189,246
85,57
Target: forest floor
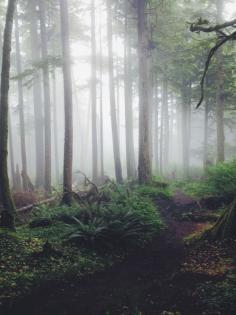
x,y
167,277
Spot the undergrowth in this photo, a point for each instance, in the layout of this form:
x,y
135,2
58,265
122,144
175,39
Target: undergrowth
x,y
219,181
61,241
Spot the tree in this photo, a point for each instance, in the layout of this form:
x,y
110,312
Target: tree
x,y
144,168
37,96
129,136
47,101
226,225
8,207
21,106
68,104
94,95
115,137
220,95
101,103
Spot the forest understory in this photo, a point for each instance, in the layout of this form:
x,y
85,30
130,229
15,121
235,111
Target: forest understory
x,y
172,274
117,157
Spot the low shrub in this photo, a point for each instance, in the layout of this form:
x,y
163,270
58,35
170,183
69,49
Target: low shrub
x,y
154,192
220,181
113,229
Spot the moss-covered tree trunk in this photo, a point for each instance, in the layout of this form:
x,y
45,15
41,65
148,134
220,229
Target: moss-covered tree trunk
x,y
7,204
225,227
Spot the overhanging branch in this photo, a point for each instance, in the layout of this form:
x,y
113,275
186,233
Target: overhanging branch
x,y
196,27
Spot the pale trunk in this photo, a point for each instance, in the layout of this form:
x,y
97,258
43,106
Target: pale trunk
x,y
94,95
144,169
37,97
129,136
47,101
115,137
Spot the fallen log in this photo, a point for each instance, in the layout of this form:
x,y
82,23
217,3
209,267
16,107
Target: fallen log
x,y
30,207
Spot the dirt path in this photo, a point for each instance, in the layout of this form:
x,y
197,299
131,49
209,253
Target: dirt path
x,y
148,282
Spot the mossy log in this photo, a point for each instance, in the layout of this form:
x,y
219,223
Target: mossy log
x,y
225,227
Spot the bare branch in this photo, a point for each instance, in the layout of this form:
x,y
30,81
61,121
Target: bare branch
x,y
212,52
195,27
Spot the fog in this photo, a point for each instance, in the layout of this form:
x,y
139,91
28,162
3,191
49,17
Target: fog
x,y
176,62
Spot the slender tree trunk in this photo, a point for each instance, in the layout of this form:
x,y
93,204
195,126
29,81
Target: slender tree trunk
x,y
115,137
171,129
156,130
129,135
162,138
185,129
206,127
144,168
101,109
21,107
94,95
165,112
47,100
55,129
37,97
12,156
7,204
219,95
68,103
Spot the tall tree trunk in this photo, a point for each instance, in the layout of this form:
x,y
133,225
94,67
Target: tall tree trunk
x,y
94,95
37,97
47,101
21,106
12,156
68,103
206,131
156,129
55,128
144,169
115,137
129,134
219,95
185,130
101,108
165,113
162,138
7,204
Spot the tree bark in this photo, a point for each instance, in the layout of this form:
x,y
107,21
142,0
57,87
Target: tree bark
x,y
47,99
225,227
37,97
129,135
115,137
165,113
21,106
68,103
11,151
219,95
144,168
55,129
101,108
8,208
156,129
185,94
206,131
94,95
